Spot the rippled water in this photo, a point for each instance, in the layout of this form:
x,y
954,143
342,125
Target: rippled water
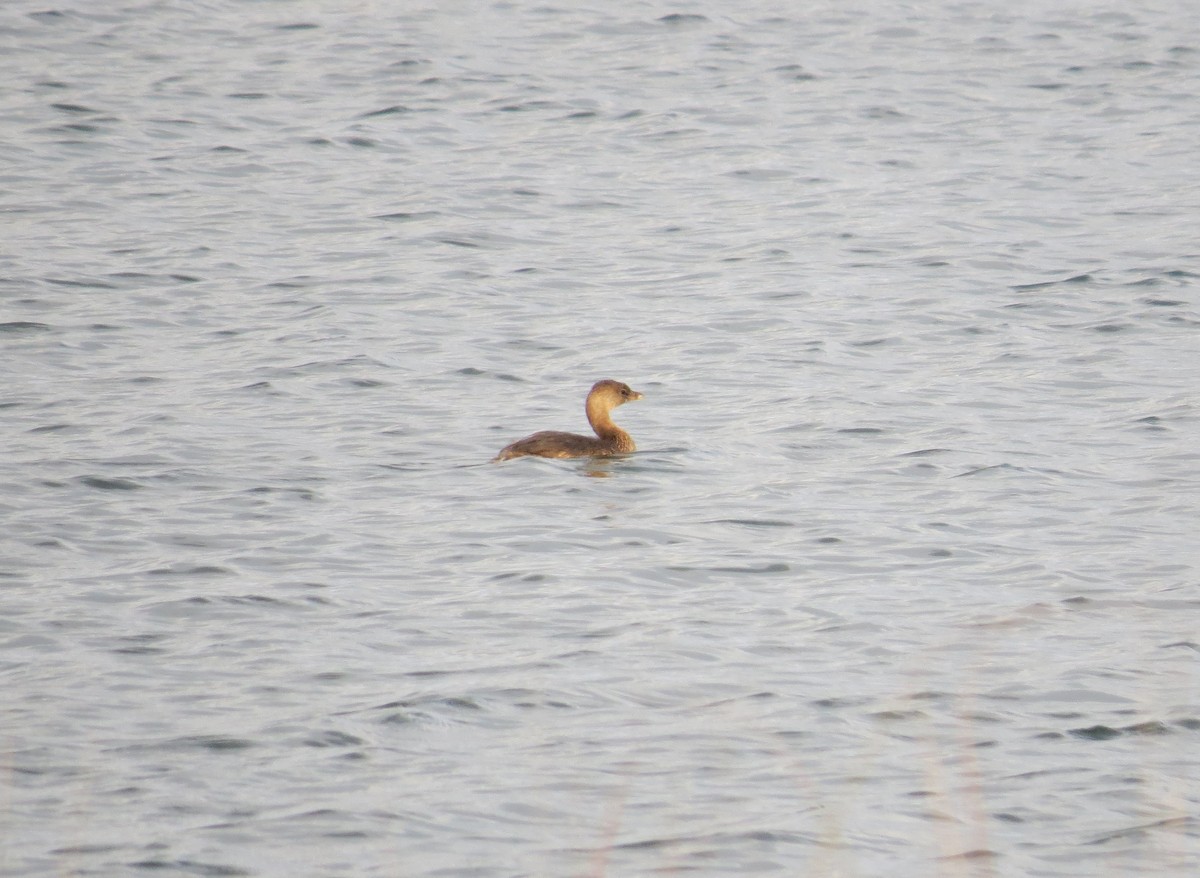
x,y
903,580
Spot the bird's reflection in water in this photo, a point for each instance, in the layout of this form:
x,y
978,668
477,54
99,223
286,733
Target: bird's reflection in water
x,y
598,467
606,467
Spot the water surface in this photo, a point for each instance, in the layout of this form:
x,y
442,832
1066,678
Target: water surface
x,y
902,580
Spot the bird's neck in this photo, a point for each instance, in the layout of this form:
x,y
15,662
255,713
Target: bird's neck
x,y
599,415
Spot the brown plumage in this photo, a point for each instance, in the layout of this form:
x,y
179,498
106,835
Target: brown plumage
x,y
601,400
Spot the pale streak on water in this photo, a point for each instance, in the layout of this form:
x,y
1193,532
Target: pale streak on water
x,y
903,582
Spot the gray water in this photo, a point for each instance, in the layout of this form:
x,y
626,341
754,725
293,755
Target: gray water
x,y
902,581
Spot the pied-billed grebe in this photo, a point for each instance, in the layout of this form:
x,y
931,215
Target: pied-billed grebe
x,y
601,400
